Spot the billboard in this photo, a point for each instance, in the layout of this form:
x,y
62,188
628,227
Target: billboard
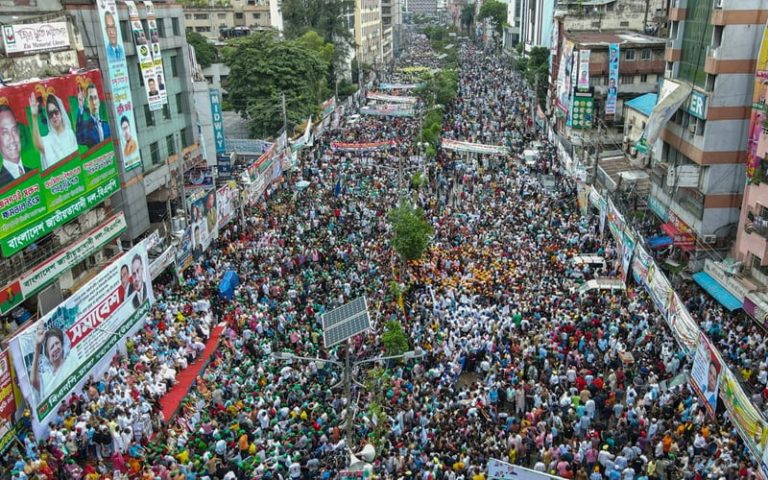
x,y
217,120
227,202
157,56
10,410
117,76
582,107
583,77
44,273
57,156
152,84
613,79
705,374
58,353
564,77
756,134
202,213
35,37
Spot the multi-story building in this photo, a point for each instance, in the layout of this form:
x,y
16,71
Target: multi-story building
x,y
368,31
638,15
73,230
530,22
217,20
421,7
711,53
388,10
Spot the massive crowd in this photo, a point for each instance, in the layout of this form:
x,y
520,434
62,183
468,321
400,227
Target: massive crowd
x,y
518,365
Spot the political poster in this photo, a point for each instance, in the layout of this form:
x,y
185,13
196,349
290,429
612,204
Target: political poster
x,y
154,44
55,355
328,107
388,110
705,374
117,77
564,90
204,221
152,87
627,249
227,200
383,97
756,135
461,146
10,411
613,79
58,160
501,470
583,77
748,420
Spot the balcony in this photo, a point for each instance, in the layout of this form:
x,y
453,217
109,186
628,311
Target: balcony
x,y
756,223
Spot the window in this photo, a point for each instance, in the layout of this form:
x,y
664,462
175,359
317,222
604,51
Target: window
x,y
222,16
645,54
710,85
174,66
256,16
167,111
624,24
626,80
154,153
202,29
238,16
170,145
149,117
596,81
179,103
188,16
186,139
629,54
698,29
201,16
139,75
125,30
644,78
161,27
175,27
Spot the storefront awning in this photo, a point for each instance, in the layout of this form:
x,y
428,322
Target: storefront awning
x,y
683,240
718,292
659,241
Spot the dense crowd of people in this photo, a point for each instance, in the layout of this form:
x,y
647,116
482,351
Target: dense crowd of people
x,y
517,365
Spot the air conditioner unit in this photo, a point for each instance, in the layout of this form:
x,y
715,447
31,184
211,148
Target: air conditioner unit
x,y
709,239
692,127
718,3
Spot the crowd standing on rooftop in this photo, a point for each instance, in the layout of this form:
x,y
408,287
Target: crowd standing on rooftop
x,y
518,365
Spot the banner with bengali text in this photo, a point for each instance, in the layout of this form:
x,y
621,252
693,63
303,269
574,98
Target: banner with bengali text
x,y
461,146
382,97
144,55
157,56
362,147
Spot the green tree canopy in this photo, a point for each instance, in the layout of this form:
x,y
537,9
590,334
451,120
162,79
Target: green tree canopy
x,y
262,69
394,339
313,41
410,231
205,52
496,11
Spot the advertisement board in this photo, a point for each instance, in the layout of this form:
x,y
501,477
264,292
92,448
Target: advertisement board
x,y
613,79
756,135
57,157
748,420
152,84
564,78
582,107
10,410
58,353
217,120
202,212
627,249
199,177
705,374
157,55
117,77
27,38
227,202
44,273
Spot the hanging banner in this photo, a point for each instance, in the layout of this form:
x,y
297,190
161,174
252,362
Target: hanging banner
x,y
748,420
362,147
204,221
615,223
226,203
117,73
382,97
460,146
705,374
154,44
603,207
663,111
613,79
306,139
217,121
43,274
500,470
564,86
327,107
58,353
10,411
583,77
199,177
757,140
400,86
144,55
388,110
627,249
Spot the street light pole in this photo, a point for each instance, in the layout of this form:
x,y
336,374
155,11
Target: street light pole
x,y
348,394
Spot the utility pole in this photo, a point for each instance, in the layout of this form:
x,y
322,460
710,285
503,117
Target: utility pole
x,y
180,161
645,17
598,148
285,115
348,394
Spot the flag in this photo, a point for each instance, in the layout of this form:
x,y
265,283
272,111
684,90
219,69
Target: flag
x,y
337,188
10,296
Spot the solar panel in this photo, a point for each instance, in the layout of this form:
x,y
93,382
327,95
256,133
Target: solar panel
x,y
345,322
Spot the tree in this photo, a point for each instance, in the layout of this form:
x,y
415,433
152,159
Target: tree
x,y
205,52
496,11
263,69
394,339
326,17
535,69
410,231
468,16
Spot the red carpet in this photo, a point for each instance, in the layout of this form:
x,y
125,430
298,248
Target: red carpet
x,y
171,401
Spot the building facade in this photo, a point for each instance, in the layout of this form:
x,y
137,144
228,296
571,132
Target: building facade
x,y
368,31
646,16
217,20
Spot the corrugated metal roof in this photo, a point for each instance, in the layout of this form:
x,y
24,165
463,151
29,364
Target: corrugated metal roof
x,y
644,103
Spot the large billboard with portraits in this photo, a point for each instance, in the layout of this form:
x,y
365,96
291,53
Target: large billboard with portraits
x,y
55,355
57,160
204,222
117,76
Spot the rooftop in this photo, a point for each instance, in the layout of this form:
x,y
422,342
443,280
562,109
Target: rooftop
x,y
644,103
622,37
